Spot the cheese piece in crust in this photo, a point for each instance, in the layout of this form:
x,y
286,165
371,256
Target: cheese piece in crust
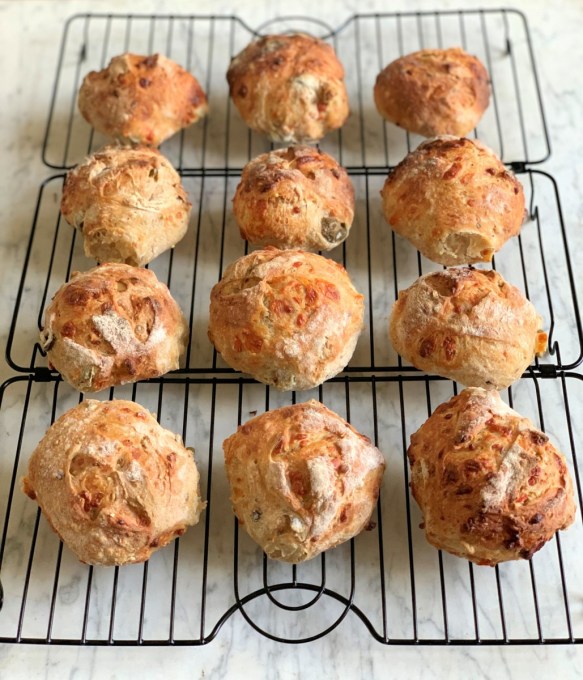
x,y
434,92
454,200
111,325
468,325
128,203
290,319
490,485
112,483
298,197
143,99
302,480
289,87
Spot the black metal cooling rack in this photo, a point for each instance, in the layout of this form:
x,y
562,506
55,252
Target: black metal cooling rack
x,y
401,589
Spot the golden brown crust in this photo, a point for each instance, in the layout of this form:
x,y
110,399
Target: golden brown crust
x,y
141,99
434,92
289,318
468,325
112,483
294,198
289,87
490,485
302,480
112,325
128,203
454,200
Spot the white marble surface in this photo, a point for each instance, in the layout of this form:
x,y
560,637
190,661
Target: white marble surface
x,y
29,36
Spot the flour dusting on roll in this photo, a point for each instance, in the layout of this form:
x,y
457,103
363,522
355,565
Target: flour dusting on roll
x,y
434,92
491,486
112,483
289,318
298,197
302,480
111,325
468,325
289,87
454,200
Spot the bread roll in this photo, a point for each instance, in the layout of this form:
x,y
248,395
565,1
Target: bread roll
x,y
434,92
454,200
128,203
294,198
468,325
141,99
289,87
302,480
288,318
112,483
111,325
491,486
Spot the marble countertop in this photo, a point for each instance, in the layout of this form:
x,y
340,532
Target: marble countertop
x,y
30,33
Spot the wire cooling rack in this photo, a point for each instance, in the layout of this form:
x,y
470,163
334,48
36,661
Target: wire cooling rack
x,y
401,589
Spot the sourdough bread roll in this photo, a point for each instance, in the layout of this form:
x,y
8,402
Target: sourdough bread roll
x,y
434,92
128,203
141,99
468,325
302,480
112,483
111,325
290,319
454,200
297,197
490,485
289,87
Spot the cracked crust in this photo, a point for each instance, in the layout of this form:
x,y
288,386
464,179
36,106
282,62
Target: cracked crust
x,y
454,200
298,197
434,92
302,480
290,319
468,325
490,485
112,483
112,325
289,87
141,99
128,203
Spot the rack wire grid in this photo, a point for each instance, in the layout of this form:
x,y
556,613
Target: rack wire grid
x,y
401,589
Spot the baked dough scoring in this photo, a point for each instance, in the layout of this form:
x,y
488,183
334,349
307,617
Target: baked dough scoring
x,y
434,92
112,483
142,99
298,197
468,325
128,203
290,319
111,325
289,87
454,200
302,480
490,485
